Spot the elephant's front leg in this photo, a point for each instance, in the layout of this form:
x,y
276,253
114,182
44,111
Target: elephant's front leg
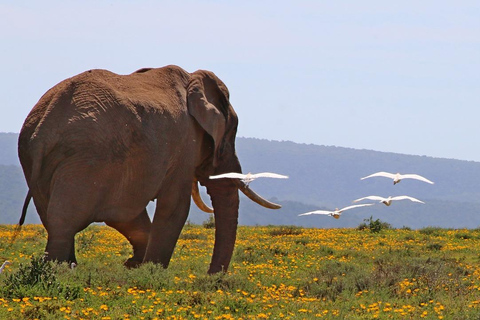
x,y
137,232
170,216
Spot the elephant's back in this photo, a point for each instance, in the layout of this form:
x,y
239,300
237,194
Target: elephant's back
x,y
93,93
103,115
99,94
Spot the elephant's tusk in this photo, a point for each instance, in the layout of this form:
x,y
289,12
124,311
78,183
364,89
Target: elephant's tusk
x,y
198,199
254,196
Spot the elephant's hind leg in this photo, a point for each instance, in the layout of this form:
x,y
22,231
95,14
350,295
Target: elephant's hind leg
x,y
60,244
137,232
70,209
61,234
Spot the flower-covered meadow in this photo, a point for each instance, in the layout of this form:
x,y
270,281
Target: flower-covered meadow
x,y
277,272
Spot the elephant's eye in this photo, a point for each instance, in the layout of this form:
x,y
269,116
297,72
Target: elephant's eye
x,y
196,89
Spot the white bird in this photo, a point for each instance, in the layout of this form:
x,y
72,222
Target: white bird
x,y
388,201
397,177
4,265
249,177
337,212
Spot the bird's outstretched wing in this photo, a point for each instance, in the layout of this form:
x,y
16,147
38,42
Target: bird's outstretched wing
x,y
370,198
417,177
355,206
407,198
269,175
380,174
229,175
317,212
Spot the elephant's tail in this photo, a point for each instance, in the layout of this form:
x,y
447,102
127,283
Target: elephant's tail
x,y
25,207
22,217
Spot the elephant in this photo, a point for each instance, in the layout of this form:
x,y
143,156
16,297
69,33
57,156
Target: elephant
x,y
97,147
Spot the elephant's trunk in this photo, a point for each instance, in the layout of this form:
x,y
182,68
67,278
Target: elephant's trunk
x,y
225,200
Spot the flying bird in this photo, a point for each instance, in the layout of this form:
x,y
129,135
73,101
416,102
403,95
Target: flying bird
x,y
4,265
397,177
249,177
337,212
388,201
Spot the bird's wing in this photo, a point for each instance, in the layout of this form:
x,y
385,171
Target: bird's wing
x,y
370,198
355,206
229,175
269,175
416,176
380,174
317,212
406,198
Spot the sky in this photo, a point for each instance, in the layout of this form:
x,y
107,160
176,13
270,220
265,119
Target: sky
x,y
393,76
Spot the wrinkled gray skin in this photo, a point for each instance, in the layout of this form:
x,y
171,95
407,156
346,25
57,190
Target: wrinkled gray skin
x,y
99,146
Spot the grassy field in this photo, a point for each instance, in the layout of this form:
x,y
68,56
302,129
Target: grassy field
x,y
277,272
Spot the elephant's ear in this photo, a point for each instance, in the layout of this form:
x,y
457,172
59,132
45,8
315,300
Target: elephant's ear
x,y
206,108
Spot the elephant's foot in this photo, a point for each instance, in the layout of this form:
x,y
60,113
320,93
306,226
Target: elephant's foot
x,y
132,263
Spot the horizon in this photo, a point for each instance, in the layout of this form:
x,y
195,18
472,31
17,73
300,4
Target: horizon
x,y
333,146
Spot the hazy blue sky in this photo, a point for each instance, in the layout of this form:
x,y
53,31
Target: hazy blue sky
x,y
399,76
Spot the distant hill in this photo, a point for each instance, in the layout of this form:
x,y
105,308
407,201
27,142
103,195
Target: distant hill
x,y
8,149
320,177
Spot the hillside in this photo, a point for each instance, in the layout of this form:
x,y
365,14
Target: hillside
x,y
320,177
8,149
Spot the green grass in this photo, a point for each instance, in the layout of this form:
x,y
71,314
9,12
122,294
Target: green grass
x,y
276,273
